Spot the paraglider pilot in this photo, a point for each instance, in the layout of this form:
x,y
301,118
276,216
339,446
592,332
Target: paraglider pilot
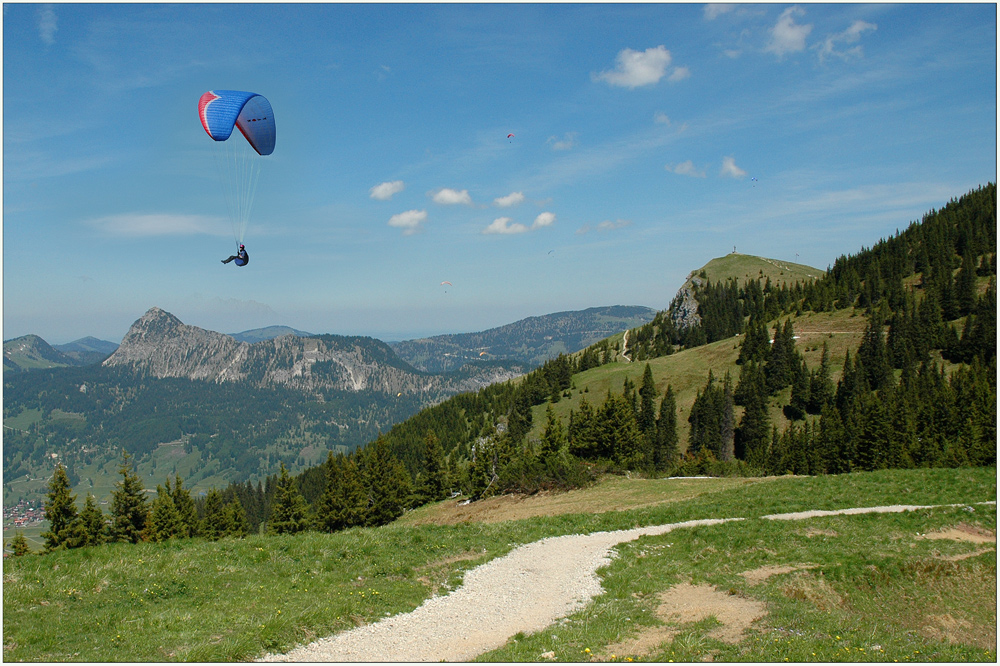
x,y
241,257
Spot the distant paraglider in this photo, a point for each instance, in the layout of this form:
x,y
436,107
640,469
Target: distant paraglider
x,y
509,137
239,160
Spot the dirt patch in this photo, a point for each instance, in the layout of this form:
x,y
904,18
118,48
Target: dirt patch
x,y
813,532
805,586
685,604
434,574
760,574
957,630
611,493
963,532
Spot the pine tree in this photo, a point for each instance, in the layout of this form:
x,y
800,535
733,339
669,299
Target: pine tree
x,y
872,357
387,482
214,521
434,483
665,449
821,389
128,505
20,545
185,508
92,520
584,438
344,501
647,406
235,519
60,511
289,511
164,520
553,437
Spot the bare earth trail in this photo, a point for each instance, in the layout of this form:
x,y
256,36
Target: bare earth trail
x,y
524,591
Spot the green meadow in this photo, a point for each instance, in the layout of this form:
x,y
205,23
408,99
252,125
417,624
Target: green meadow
x,y
857,588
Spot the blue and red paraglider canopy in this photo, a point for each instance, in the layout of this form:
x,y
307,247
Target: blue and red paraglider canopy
x,y
222,110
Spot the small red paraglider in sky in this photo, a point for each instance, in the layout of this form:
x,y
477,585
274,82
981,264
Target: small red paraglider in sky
x,y
509,137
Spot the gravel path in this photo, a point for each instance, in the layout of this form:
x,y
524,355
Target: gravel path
x,y
524,591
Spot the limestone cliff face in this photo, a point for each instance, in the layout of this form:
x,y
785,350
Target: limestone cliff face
x,y
160,345
684,307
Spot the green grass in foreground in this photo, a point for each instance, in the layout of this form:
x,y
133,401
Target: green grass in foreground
x,y
234,600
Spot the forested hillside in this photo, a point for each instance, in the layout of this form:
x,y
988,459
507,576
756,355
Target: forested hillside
x,y
910,382
915,388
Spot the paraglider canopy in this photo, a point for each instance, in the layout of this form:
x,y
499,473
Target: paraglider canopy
x,y
222,110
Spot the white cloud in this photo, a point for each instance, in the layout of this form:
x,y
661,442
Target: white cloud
x,y
686,169
730,170
544,220
715,9
679,74
47,24
850,36
787,36
566,143
410,221
511,199
661,118
159,224
448,197
637,68
384,191
606,225
503,225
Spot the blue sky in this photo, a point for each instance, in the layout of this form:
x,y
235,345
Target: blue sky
x,y
639,131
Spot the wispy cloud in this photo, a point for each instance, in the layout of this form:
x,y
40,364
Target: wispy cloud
x,y
158,224
730,170
641,68
787,36
852,35
47,25
686,169
511,199
504,225
568,141
606,225
410,221
715,9
450,197
384,191
545,219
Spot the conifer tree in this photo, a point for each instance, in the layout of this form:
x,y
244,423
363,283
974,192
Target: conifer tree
x,y
235,519
214,521
553,437
92,520
872,358
164,520
344,499
434,483
665,451
647,405
289,511
821,389
128,505
60,511
583,431
185,508
387,482
20,545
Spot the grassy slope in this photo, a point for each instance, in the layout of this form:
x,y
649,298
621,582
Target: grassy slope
x,y
233,600
687,371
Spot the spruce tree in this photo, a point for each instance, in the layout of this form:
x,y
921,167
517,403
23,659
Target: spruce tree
x,y
434,483
821,389
164,520
92,520
235,519
553,437
60,511
647,406
185,508
20,545
665,451
289,511
387,482
128,505
213,524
